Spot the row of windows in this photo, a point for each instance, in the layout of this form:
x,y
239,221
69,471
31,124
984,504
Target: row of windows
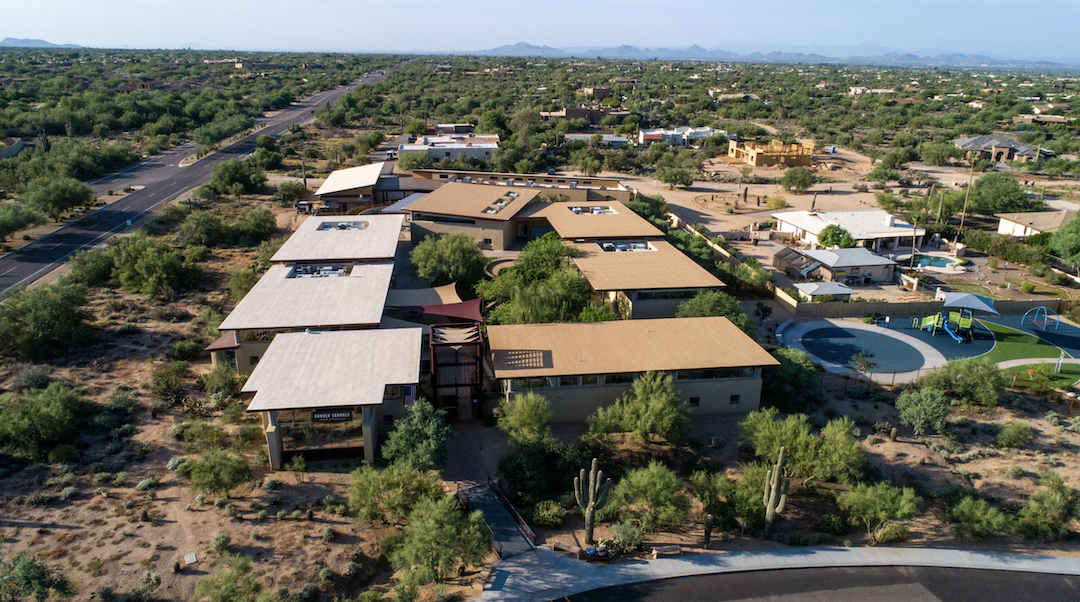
x,y
445,219
683,293
625,378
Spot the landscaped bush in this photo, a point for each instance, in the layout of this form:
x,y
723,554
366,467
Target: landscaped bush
x,y
541,473
45,321
653,495
185,350
976,519
548,513
35,422
1047,515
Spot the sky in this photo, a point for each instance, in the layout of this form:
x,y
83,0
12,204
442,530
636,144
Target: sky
x,y
998,28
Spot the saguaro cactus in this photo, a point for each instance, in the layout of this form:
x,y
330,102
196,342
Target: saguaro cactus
x,y
591,496
776,490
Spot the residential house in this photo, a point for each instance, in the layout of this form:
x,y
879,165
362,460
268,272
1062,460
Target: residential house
x,y
452,146
873,228
853,266
996,149
580,367
604,139
1031,223
684,136
578,189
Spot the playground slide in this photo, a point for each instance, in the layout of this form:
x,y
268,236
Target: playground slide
x,y
955,336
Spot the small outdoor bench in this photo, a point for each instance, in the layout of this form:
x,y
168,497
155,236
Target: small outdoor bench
x,y
674,550
566,548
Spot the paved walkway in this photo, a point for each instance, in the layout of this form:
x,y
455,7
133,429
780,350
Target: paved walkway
x,y
542,575
505,534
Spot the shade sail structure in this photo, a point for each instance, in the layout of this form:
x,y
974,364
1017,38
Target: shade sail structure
x,y
969,301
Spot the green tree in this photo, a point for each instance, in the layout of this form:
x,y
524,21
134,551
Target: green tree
x,y
674,177
876,505
798,179
1065,243
421,438
266,142
835,236
939,153
234,176
217,473
45,321
716,303
652,407
653,495
54,196
231,581
416,127
881,173
923,409
254,225
390,495
290,192
240,282
14,218
202,228
999,192
437,539
27,577
971,382
835,453
34,422
448,258
525,418
794,385
542,257
415,160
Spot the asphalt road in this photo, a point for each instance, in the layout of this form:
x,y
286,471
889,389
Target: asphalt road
x,y
880,584
163,180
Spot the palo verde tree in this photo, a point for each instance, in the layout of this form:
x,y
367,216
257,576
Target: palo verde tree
x,y
54,196
437,539
651,408
835,236
421,438
798,180
716,303
448,258
876,505
525,418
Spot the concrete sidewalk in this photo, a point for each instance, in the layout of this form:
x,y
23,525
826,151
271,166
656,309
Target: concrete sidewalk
x,y
542,575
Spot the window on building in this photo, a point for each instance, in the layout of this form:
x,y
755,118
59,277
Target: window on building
x,y
388,420
854,270
569,381
694,402
253,360
734,399
622,378
590,380
487,241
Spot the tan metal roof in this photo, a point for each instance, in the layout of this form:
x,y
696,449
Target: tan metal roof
x,y
528,350
479,201
370,237
1042,221
279,302
621,222
662,266
439,295
332,369
352,178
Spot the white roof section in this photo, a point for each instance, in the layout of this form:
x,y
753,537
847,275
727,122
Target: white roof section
x,y
825,288
333,369
847,258
399,207
343,238
862,225
280,302
352,178
408,148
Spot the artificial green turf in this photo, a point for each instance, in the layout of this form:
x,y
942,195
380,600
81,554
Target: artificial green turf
x,y
1041,289
1014,344
974,289
1069,375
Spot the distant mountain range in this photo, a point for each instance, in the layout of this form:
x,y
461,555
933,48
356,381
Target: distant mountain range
x,y
27,43
697,53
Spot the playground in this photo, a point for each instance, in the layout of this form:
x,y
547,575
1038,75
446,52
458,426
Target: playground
x,y
901,349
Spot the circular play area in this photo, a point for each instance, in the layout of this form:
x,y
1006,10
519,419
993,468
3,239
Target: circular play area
x,y
901,348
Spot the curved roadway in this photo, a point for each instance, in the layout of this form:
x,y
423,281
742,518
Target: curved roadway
x,y
879,584
163,180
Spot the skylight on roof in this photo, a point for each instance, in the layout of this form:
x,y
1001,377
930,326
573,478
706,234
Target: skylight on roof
x,y
349,225
626,246
323,270
592,210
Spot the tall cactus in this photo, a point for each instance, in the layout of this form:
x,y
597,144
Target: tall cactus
x,y
776,490
594,497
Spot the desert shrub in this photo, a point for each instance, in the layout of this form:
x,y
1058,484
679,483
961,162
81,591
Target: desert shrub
x,y
653,495
390,495
976,519
65,453
147,484
541,473
835,453
525,418
168,380
68,492
832,524
1014,434
45,321
438,538
876,506
34,422
240,282
923,409
185,350
1014,472
794,385
548,514
220,543
1049,511
328,534
891,532
217,472
222,382
232,581
627,534
652,407
30,376
200,436
420,438
973,381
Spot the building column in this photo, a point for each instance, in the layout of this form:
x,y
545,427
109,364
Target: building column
x,y
273,440
370,434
